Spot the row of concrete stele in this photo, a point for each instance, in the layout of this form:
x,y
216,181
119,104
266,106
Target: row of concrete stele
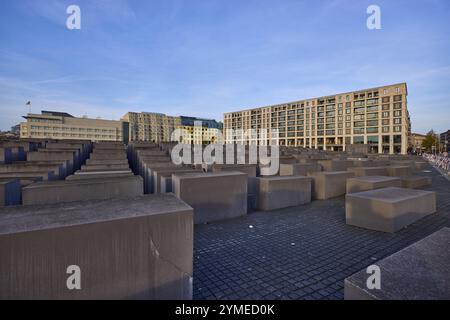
x,y
141,246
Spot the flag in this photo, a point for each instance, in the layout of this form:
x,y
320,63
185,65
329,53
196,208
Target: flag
x,y
28,103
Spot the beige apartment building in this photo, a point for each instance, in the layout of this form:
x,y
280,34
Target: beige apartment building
x,y
378,117
158,127
63,126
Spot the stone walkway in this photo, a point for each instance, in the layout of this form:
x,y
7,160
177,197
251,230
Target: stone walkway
x,y
303,252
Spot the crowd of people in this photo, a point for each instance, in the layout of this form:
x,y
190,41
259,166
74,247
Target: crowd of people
x,y
441,161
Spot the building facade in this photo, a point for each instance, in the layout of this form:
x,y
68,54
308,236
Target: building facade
x,y
63,126
158,127
444,139
415,141
378,117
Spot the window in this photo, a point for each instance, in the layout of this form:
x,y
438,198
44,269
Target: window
x,y
358,140
358,130
385,99
372,139
372,130
386,107
397,139
385,129
385,114
398,113
397,121
397,98
385,122
358,124
372,123
385,139
397,128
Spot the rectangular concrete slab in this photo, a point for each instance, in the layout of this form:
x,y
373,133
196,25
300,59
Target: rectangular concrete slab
x,y
415,182
213,195
418,272
326,185
368,171
79,190
126,249
398,171
371,182
282,192
388,209
298,169
10,192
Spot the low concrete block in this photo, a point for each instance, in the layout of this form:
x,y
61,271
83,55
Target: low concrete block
x,y
371,183
214,196
398,171
79,190
139,249
418,272
388,209
282,192
326,185
249,169
415,182
10,192
369,171
335,165
299,169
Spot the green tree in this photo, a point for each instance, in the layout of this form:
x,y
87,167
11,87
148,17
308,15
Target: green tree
x,y
430,141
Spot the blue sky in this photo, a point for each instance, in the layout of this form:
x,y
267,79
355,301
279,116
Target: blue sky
x,y
207,57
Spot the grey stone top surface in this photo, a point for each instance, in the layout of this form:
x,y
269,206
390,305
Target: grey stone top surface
x,y
375,178
42,217
413,178
210,174
18,175
390,194
43,184
328,173
420,271
283,178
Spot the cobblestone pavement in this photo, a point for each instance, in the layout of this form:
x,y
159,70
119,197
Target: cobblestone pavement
x,y
303,252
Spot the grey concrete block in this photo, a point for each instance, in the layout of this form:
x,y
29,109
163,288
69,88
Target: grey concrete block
x,y
388,209
327,185
335,165
415,182
10,192
418,272
80,190
371,182
282,192
299,169
214,196
126,249
369,171
249,169
398,171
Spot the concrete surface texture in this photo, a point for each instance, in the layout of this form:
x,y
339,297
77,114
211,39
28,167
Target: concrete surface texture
x,y
214,196
368,171
415,182
299,169
371,182
418,272
388,209
326,185
139,249
79,190
282,192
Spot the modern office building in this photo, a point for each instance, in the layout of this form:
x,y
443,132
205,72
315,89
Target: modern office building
x,y
444,139
377,116
158,127
64,126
